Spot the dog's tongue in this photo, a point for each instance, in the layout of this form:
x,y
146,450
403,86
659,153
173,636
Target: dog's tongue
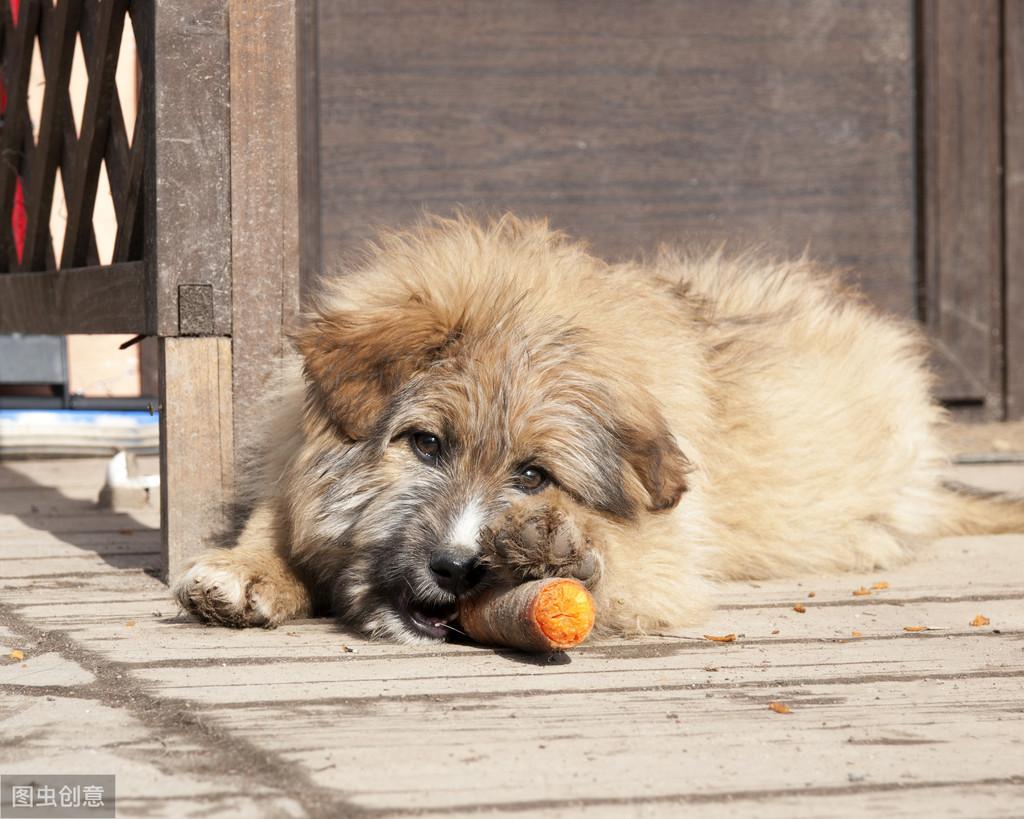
x,y
436,619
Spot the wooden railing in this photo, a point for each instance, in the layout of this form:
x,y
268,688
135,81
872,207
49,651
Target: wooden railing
x,y
205,198
38,292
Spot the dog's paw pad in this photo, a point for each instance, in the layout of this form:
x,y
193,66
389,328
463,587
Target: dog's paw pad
x,y
218,592
547,543
588,569
534,534
564,540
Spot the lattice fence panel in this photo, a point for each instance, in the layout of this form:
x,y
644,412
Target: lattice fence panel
x,y
34,151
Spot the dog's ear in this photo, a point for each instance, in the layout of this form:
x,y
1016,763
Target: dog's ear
x,y
355,361
650,448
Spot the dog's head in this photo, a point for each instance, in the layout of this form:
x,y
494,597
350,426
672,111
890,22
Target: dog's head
x,y
443,386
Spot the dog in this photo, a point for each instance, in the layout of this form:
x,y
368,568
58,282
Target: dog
x,y
484,403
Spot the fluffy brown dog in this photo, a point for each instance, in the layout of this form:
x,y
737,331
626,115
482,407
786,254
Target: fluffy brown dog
x,y
483,404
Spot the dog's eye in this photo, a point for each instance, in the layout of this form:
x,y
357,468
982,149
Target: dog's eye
x,y
426,446
533,478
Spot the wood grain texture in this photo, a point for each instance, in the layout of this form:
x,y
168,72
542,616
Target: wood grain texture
x,y
962,191
891,723
183,46
58,30
788,123
95,128
196,464
16,135
1013,142
307,63
264,196
109,299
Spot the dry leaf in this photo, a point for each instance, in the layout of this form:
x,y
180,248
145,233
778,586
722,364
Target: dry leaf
x,y
724,638
775,631
915,628
980,620
780,708
856,633
862,592
799,608
881,584
129,624
812,594
17,654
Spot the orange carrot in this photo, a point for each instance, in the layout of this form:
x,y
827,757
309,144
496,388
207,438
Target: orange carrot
x,y
542,615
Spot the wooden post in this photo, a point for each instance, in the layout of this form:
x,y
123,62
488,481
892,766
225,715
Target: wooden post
x,y
197,450
264,199
1013,218
188,186
224,241
962,191
188,257
307,64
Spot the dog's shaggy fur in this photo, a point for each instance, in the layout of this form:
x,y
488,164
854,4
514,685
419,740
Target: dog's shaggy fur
x,y
486,403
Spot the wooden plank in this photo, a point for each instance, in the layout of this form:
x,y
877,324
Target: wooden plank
x,y
18,42
183,46
196,467
116,152
787,123
893,723
106,299
95,127
817,658
1013,111
962,190
149,366
69,144
128,243
621,750
264,193
59,28
308,102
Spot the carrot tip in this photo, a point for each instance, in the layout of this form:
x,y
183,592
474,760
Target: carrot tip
x,y
564,612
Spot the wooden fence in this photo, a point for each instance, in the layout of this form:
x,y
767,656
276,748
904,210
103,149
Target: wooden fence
x,y
205,191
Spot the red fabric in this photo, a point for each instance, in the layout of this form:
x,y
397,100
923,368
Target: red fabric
x,y
19,219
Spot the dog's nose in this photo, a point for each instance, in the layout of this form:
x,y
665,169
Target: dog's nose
x,y
456,572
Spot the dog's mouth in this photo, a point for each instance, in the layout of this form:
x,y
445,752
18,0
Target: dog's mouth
x,y
429,619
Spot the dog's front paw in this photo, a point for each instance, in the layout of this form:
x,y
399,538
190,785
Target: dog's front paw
x,y
223,587
543,541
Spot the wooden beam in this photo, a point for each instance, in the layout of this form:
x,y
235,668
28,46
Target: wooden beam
x,y
264,197
183,47
17,68
116,153
108,299
128,241
1013,108
92,139
962,191
196,464
307,66
59,27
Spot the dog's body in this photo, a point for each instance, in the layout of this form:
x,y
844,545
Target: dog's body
x,y
488,404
